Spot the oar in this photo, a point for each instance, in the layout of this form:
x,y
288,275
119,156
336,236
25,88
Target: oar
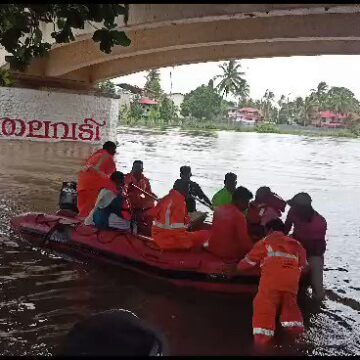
x,y
145,192
157,199
204,203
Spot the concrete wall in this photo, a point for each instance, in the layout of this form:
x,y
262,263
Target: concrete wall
x,y
50,115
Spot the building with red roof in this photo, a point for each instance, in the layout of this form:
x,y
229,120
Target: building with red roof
x,y
329,119
147,101
246,115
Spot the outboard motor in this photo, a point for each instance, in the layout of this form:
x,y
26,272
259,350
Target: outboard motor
x,y
68,196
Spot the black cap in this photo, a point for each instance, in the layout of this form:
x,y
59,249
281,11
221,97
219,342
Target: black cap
x,y
300,199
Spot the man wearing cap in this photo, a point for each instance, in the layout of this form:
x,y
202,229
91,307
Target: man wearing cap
x,y
309,228
224,196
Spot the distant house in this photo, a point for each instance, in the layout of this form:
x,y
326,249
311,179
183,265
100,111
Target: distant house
x,y
329,119
245,116
147,103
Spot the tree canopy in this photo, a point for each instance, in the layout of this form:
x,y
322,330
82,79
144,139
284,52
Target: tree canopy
x,y
108,87
152,86
21,35
231,79
203,102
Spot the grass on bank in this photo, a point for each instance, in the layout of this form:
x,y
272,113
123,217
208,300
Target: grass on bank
x,y
265,128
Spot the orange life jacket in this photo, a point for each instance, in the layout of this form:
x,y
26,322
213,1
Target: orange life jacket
x,y
136,198
170,221
89,178
107,166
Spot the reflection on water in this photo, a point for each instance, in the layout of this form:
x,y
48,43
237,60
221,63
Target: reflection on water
x,y
43,295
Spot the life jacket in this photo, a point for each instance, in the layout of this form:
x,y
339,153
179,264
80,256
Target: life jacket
x,y
170,214
89,178
267,210
137,199
107,167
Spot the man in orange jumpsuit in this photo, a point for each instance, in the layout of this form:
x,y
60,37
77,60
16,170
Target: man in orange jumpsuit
x,y
171,221
281,260
95,176
229,238
137,199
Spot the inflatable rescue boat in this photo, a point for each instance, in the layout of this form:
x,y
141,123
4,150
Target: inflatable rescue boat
x,y
67,235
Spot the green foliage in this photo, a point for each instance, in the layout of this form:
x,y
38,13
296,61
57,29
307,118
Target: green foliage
x,y
266,128
108,87
202,103
152,86
21,35
5,78
168,111
153,117
231,80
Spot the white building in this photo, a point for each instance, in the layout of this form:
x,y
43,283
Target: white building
x,y
178,99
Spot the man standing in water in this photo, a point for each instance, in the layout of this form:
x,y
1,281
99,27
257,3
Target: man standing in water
x,y
310,230
224,196
195,190
281,260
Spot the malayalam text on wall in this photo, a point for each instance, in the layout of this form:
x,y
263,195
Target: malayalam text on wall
x,y
28,114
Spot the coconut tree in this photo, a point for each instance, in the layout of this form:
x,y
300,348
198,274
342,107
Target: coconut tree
x,y
231,79
319,94
243,93
267,103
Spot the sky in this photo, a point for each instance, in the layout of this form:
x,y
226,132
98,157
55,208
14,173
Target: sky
x,y
291,76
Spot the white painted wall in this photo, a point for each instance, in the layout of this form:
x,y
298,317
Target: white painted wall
x,y
178,99
57,116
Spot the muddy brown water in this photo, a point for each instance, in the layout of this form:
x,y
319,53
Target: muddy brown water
x,y
43,294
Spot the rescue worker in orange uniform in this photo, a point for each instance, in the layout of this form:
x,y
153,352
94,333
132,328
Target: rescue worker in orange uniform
x,y
229,238
281,260
137,199
171,221
266,206
95,176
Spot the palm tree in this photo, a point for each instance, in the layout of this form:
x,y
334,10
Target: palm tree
x,y
267,103
307,110
243,92
320,93
231,78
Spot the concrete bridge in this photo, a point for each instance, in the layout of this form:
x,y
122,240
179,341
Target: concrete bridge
x,y
173,34
162,35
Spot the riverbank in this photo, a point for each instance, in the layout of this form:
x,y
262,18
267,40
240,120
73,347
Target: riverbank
x,y
263,128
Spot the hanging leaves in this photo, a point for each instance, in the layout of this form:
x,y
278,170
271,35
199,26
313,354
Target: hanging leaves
x,y
21,35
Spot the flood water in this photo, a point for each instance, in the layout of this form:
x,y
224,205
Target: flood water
x,y
43,295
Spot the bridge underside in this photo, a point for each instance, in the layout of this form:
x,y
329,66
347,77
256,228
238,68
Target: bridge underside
x,y
174,34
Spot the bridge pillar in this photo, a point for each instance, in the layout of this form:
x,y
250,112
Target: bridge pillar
x,y
57,114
